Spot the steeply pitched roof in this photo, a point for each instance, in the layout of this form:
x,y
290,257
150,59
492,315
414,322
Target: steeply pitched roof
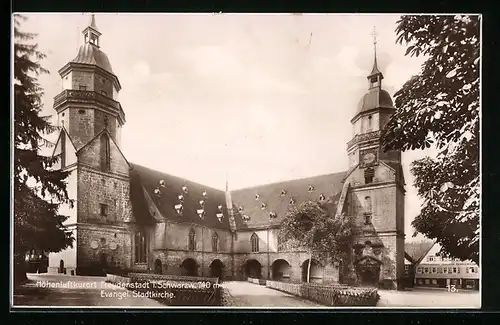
x,y
416,251
330,186
149,179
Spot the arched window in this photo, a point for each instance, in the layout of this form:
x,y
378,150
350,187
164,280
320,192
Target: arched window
x,y
192,240
215,242
140,247
369,128
368,205
255,242
63,149
105,154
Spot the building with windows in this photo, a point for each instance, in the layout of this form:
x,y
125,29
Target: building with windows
x,y
441,272
131,217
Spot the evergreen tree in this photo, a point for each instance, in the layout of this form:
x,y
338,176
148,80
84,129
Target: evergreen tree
x,y
38,188
440,107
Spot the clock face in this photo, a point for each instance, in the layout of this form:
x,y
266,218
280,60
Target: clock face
x,y
369,158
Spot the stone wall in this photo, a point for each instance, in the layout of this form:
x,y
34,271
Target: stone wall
x,y
94,189
95,240
100,122
82,78
103,84
80,125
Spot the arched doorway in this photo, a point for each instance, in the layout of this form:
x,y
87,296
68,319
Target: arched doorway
x,y
315,273
61,266
104,263
216,269
158,266
281,270
368,271
253,269
189,267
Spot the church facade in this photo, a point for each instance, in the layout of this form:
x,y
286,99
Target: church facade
x,y
131,217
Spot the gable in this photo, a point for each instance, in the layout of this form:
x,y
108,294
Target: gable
x,y
70,150
418,251
91,155
383,173
271,200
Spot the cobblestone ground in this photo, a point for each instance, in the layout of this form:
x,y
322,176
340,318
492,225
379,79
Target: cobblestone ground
x,y
81,291
430,298
245,294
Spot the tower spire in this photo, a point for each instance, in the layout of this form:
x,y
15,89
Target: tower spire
x,y
375,77
92,22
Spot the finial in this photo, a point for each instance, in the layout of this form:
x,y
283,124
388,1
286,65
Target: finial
x,y
374,34
92,22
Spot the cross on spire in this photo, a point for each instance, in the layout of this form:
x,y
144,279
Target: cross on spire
x,y
375,76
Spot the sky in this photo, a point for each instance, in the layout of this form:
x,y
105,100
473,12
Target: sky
x,y
252,99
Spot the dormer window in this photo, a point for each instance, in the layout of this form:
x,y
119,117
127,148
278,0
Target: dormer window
x,y
321,197
219,207
272,215
180,197
263,205
283,192
202,202
240,209
157,192
185,189
204,194
162,183
292,201
311,188
257,196
178,208
219,216
246,218
201,213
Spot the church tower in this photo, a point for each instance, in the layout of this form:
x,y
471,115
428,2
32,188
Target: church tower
x,y
376,200
90,119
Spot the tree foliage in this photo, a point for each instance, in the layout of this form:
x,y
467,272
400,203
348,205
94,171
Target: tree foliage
x,y
313,227
440,107
38,189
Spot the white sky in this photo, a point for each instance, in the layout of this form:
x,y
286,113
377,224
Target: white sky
x,y
262,98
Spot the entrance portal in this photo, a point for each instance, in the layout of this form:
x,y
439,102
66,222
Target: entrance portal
x,y
61,266
189,267
281,270
216,269
368,271
158,266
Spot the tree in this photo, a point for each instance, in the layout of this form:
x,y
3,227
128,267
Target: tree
x,y
440,107
314,227
38,189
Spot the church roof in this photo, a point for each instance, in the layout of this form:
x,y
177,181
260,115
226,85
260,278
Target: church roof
x,y
416,251
375,98
92,55
268,204
149,179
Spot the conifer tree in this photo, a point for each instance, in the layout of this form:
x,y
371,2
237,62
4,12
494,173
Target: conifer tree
x,y
38,188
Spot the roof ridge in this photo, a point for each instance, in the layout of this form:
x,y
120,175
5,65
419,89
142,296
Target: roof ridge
x,y
178,177
286,181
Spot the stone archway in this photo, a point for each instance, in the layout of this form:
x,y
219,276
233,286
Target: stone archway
x,y
316,271
158,266
280,270
253,269
189,267
216,268
368,271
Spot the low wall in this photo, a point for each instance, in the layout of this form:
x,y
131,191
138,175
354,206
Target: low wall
x,y
329,295
172,290
257,281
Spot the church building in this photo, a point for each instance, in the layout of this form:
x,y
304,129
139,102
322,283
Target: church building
x,y
134,218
